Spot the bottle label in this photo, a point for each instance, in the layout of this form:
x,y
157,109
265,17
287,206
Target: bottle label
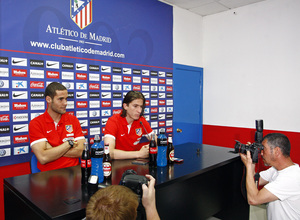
x,y
153,150
162,142
171,155
89,163
97,153
107,168
106,149
83,163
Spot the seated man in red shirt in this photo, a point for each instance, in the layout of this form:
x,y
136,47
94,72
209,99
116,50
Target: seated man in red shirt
x,y
123,132
50,132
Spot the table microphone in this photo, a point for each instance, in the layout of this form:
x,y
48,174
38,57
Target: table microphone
x,y
145,129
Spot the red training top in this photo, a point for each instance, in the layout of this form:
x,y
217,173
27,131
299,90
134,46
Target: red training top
x,y
42,128
127,137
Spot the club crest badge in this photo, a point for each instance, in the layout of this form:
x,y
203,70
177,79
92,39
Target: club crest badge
x,y
81,12
138,131
69,128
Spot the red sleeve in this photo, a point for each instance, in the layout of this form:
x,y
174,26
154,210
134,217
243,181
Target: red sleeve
x,y
78,129
111,127
36,131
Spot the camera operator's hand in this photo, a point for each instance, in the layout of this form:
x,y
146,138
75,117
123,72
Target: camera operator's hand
x,y
148,199
144,151
247,160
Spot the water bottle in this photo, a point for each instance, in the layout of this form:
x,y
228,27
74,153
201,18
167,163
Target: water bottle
x,y
162,149
97,159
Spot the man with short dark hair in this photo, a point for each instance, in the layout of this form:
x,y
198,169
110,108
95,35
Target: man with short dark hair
x,y
123,132
56,137
281,182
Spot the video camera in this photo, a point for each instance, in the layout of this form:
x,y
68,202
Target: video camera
x,y
254,148
133,181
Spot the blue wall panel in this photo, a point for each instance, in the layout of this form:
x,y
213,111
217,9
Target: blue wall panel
x,y
188,103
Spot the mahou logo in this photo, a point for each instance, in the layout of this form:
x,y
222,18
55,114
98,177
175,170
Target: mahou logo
x,y
21,139
19,73
82,104
20,106
106,103
126,79
162,81
4,118
162,102
145,80
105,78
53,74
94,86
37,85
81,76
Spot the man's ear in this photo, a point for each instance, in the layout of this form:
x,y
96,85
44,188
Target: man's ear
x,y
125,106
48,99
277,151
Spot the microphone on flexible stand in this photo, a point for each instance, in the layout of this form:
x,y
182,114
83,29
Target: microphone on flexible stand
x,y
145,130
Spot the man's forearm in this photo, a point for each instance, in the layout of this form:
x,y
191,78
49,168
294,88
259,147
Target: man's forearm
x,y
76,151
121,154
152,213
251,187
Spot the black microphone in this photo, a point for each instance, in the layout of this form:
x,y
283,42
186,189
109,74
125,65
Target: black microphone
x,y
145,130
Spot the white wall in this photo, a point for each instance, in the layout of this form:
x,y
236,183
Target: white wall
x,y
251,61
187,38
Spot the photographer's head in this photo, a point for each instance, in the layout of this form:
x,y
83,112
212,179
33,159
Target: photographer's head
x,y
276,149
115,202
278,140
130,97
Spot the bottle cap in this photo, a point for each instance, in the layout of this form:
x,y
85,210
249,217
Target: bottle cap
x,y
97,138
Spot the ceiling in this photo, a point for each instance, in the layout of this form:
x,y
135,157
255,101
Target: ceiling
x,y
209,7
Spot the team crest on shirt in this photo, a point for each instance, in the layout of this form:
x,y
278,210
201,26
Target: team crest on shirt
x,y
138,131
69,128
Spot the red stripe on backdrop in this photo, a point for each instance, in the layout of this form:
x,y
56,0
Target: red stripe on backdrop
x,y
225,137
81,25
86,21
90,11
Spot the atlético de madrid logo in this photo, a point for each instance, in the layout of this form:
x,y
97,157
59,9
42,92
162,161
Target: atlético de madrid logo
x,y
81,12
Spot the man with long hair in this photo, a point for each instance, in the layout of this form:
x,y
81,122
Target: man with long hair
x,y
124,131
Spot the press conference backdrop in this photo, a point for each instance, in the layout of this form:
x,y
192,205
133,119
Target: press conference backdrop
x,y
99,50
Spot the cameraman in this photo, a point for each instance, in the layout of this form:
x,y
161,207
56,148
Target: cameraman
x,y
121,203
281,182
